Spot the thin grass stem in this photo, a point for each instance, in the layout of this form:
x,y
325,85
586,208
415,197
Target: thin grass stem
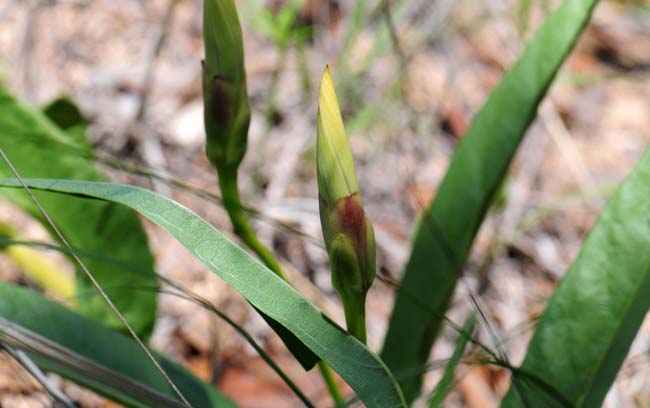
x,y
331,383
91,277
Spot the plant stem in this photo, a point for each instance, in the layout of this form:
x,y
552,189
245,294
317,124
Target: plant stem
x,y
332,386
355,317
233,205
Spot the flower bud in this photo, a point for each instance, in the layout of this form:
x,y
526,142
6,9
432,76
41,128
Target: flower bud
x,y
226,108
348,232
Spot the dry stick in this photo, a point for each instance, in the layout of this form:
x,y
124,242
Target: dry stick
x,y
149,146
388,16
92,278
24,360
27,47
157,46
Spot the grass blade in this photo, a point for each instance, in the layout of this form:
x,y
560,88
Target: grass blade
x,y
92,355
592,318
443,387
361,369
449,226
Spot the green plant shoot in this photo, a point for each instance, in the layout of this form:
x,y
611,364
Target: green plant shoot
x,y
227,113
347,230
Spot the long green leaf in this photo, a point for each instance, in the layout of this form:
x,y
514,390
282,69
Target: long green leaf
x,y
446,233
592,318
363,371
38,148
99,358
443,387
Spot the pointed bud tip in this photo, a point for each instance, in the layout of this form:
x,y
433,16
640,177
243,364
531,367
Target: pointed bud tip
x,y
327,94
335,168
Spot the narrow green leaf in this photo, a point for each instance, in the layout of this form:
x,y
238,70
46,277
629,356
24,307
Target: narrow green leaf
x,y
592,318
444,386
446,233
94,356
39,148
363,371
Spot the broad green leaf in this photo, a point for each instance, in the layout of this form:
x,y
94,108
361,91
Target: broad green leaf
x,y
38,148
592,318
94,356
443,387
360,368
66,115
446,233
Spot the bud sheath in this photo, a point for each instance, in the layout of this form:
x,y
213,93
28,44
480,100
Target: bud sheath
x,y
226,108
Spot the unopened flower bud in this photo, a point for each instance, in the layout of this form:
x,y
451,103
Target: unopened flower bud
x,y
226,108
348,232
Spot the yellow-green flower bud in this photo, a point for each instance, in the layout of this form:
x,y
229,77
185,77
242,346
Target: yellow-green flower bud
x,y
226,108
348,232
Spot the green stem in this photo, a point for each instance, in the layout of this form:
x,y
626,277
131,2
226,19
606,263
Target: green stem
x,y
332,386
233,205
355,316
